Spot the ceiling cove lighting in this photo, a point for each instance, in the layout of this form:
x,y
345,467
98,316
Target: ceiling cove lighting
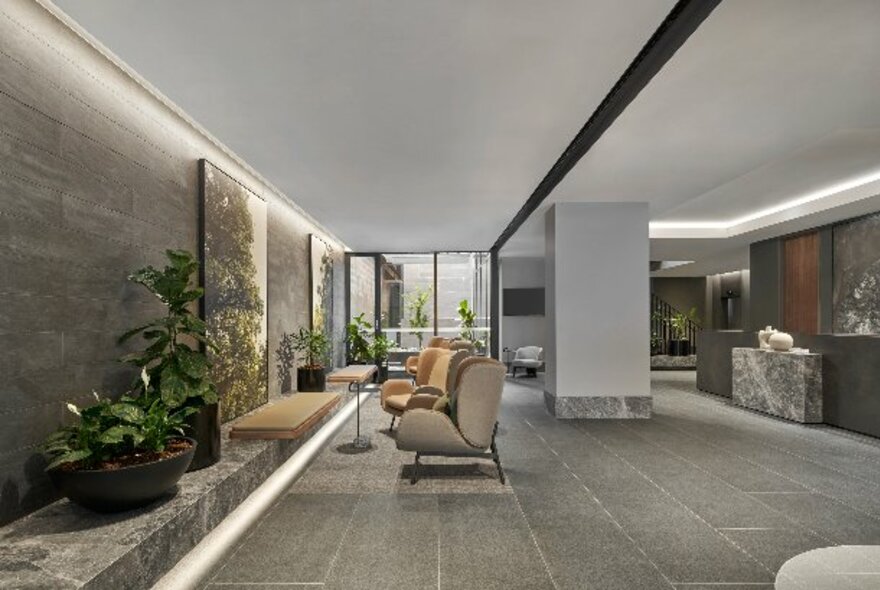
x,y
798,202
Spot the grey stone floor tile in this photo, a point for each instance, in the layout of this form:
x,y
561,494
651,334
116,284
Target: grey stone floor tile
x,y
830,519
734,586
392,543
776,546
295,542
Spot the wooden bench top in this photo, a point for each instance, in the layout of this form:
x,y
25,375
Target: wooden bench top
x,y
289,418
352,374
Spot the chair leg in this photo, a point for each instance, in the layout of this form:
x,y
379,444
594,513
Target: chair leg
x,y
513,372
495,457
415,472
393,418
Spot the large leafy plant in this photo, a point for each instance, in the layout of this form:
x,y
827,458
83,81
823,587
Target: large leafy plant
x,y
174,360
357,334
109,430
380,347
174,381
312,346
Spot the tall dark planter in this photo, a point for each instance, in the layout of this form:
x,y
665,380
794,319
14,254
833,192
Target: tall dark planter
x,y
679,347
204,427
308,379
382,373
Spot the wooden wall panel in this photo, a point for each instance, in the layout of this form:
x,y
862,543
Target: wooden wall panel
x,y
800,299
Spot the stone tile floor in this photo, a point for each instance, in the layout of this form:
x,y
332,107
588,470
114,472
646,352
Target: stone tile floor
x,y
702,496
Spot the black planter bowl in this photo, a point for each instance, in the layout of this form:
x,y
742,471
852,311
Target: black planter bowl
x,y
115,490
310,379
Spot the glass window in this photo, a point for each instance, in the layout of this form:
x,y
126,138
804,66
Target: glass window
x,y
463,296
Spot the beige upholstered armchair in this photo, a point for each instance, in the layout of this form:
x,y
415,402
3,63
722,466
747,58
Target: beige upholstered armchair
x,y
436,374
474,404
411,364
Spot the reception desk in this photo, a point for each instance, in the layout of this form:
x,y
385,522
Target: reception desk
x,y
850,373
785,384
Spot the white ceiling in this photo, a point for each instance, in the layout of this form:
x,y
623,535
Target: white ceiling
x,y
401,125
766,102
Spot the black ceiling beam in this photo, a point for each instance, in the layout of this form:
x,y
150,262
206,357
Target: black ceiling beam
x,y
685,17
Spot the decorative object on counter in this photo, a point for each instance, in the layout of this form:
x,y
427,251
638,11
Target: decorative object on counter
x,y
679,344
782,384
764,337
312,347
124,454
179,373
781,341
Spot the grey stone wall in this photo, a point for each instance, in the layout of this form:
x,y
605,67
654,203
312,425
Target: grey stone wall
x,y
97,178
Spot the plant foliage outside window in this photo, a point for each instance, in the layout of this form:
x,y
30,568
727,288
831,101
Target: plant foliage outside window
x,y
415,303
357,334
468,323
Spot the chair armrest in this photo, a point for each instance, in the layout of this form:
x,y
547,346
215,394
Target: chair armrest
x,y
394,387
426,430
411,364
423,401
429,390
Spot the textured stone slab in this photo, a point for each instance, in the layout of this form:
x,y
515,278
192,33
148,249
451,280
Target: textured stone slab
x,y
611,406
660,362
65,546
788,385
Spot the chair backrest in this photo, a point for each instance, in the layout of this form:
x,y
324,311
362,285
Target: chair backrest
x,y
438,342
427,358
480,382
531,353
440,371
455,361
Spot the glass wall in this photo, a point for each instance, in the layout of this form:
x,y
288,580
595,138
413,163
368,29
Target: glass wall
x,y
422,295
463,290
408,299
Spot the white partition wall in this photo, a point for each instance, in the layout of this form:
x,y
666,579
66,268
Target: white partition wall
x,y
597,294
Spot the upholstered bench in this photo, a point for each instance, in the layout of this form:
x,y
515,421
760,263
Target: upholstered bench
x,y
287,419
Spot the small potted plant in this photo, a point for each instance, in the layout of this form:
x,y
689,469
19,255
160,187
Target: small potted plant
x,y
679,343
357,335
312,347
415,304
379,351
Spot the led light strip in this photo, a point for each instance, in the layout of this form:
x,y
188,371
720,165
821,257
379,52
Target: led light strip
x,y
798,202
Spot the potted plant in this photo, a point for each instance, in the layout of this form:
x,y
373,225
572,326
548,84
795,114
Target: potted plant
x,y
357,334
679,344
174,358
415,303
379,351
123,454
468,322
312,347
285,356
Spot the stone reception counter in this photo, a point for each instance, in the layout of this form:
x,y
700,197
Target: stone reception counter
x,y
785,384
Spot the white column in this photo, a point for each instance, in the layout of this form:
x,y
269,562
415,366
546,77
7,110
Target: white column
x,y
597,313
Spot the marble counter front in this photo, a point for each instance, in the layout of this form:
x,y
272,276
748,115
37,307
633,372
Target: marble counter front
x,y
785,384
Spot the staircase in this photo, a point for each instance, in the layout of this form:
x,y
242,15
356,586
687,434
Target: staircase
x,y
661,330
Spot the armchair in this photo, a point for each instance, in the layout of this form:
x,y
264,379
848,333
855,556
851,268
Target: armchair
x,y
411,364
436,374
528,358
475,400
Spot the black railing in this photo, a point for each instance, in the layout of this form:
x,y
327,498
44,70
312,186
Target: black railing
x,y
661,327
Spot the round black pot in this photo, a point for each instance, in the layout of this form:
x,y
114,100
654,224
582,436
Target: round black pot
x,y
310,379
115,490
679,347
204,426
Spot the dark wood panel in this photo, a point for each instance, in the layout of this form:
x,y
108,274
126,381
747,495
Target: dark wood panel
x,y
801,284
